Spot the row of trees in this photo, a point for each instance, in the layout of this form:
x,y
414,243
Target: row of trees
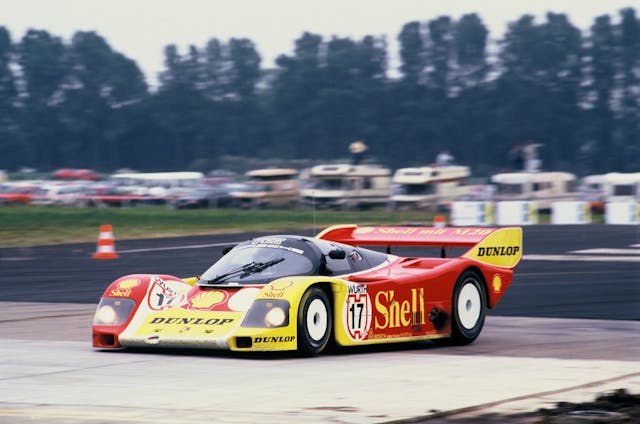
x,y
82,104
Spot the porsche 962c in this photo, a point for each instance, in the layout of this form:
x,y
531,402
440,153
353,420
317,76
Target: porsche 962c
x,y
291,292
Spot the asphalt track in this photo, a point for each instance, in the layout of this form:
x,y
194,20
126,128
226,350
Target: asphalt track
x,y
568,327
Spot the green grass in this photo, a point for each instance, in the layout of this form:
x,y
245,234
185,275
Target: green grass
x,y
30,226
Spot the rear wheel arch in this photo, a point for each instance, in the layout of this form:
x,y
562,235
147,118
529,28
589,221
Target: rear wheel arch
x,y
483,280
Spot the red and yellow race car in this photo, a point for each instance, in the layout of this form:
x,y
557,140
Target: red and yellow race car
x,y
290,292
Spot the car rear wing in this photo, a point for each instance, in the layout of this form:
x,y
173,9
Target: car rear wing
x,y
496,246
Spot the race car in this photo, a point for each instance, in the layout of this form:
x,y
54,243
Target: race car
x,y
291,292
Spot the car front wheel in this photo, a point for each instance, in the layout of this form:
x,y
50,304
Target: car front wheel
x,y
314,321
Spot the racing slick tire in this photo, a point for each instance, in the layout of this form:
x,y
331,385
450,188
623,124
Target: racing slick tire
x,y
468,309
314,321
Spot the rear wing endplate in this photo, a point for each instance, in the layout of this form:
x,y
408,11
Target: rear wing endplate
x,y
496,246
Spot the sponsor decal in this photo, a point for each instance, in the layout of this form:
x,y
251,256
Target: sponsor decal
x,y
395,312
166,294
498,250
501,248
272,243
277,289
390,231
274,339
124,288
356,313
190,321
472,231
364,230
496,284
208,299
269,240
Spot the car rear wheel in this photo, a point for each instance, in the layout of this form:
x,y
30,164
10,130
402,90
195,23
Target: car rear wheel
x,y
469,308
314,321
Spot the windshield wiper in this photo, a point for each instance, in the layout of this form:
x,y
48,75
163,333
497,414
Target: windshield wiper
x,y
260,266
245,270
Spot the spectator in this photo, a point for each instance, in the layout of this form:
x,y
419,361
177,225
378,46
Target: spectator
x,y
444,158
531,161
357,149
516,157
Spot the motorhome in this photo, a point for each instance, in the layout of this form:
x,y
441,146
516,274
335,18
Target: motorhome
x,y
269,187
346,186
612,187
544,188
428,186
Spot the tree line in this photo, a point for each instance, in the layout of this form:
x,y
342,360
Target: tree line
x,y
79,103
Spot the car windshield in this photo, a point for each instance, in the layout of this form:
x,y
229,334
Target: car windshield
x,y
258,262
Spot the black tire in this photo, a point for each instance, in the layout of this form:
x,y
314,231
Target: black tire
x,y
468,309
315,321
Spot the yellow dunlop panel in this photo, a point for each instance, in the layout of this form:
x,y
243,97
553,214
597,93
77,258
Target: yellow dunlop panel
x,y
186,324
501,248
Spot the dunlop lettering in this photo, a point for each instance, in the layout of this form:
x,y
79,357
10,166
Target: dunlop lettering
x,y
498,250
279,339
191,321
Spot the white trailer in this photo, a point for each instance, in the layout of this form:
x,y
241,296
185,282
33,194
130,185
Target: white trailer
x,y
344,186
428,186
544,188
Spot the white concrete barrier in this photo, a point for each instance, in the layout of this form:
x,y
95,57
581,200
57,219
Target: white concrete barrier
x,y
516,213
622,213
472,213
576,212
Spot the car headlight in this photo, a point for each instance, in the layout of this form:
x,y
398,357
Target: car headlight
x,y
275,317
113,311
267,313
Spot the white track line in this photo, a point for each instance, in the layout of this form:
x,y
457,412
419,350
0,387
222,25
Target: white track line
x,y
604,251
193,246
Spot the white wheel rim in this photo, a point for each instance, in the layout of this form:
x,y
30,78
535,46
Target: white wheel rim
x,y
317,319
469,306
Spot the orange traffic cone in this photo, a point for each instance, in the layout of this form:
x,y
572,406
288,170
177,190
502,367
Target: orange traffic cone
x,y
439,221
106,245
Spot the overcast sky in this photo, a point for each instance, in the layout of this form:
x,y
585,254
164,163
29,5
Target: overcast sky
x,y
140,29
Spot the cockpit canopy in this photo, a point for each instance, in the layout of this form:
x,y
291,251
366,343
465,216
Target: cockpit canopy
x,y
264,259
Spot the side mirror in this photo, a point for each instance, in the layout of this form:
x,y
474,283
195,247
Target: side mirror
x,y
337,254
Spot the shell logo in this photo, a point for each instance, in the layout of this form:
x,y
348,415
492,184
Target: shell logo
x,y
277,289
496,284
280,285
207,300
128,284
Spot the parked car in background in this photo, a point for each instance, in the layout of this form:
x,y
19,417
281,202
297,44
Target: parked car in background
x,y
204,197
17,193
59,193
76,174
